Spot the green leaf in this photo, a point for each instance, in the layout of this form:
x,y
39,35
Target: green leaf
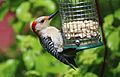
x,y
117,69
41,64
113,41
73,73
117,14
32,73
46,63
24,7
109,19
30,47
118,28
58,67
107,29
89,74
28,58
17,27
22,12
8,68
3,10
29,43
44,4
88,56
107,25
13,5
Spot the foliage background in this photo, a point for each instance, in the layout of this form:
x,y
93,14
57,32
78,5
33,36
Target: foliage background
x,y
24,57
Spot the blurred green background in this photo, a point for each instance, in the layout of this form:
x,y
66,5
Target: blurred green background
x,y
21,55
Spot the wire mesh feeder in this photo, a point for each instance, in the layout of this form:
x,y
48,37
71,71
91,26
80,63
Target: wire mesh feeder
x,y
80,24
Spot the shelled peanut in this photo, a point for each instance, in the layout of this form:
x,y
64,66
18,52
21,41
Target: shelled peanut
x,y
81,29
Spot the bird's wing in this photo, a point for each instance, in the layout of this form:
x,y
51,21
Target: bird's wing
x,y
48,45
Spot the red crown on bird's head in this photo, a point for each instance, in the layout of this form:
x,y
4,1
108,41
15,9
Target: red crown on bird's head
x,y
33,25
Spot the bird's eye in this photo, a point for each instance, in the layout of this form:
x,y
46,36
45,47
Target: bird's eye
x,y
42,21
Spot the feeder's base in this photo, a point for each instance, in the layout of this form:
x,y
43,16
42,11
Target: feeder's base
x,y
79,48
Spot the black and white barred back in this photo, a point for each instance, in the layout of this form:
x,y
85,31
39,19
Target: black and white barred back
x,y
48,45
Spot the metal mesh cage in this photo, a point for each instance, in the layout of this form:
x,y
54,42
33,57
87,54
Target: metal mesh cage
x,y
80,23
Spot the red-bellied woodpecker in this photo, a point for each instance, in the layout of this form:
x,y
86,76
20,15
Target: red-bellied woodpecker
x,y
52,41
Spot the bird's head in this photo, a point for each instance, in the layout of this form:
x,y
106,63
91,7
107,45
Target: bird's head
x,y
41,22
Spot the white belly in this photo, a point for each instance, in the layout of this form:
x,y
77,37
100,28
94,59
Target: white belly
x,y
55,36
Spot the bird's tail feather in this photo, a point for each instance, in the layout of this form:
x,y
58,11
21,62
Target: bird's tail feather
x,y
71,60
69,55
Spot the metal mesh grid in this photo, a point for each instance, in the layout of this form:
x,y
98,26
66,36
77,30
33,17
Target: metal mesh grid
x,y
80,24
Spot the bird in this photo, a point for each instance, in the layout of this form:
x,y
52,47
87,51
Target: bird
x,y
52,41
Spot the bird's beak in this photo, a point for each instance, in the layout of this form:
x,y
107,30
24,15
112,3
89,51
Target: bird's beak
x,y
52,15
